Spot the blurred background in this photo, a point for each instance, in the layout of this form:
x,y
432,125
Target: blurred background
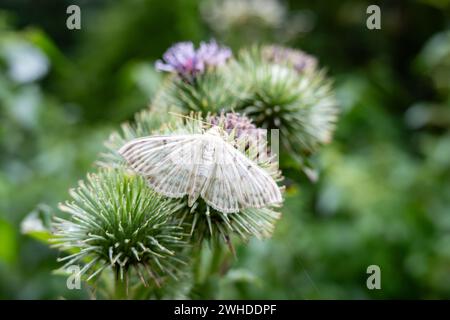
x,y
383,196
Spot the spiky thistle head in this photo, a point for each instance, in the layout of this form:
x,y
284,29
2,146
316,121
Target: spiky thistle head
x,y
211,91
277,94
116,221
206,89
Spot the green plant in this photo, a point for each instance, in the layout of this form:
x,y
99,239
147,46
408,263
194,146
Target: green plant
x,y
117,222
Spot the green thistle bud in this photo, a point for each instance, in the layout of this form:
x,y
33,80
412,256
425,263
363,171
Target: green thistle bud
x,y
283,89
210,92
116,221
197,83
215,225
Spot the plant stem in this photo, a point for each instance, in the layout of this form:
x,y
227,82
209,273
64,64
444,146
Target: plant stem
x,y
120,288
209,259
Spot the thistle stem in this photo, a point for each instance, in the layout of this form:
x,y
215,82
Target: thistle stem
x,y
120,288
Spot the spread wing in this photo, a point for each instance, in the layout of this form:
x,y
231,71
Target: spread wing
x,y
237,183
174,166
167,162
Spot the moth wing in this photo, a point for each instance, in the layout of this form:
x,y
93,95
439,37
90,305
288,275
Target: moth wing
x,y
236,182
167,162
257,188
218,191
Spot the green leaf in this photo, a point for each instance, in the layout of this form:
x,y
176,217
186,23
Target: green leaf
x,y
8,242
37,223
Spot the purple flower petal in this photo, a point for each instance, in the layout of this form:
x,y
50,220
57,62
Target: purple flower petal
x,y
301,61
161,66
212,54
182,58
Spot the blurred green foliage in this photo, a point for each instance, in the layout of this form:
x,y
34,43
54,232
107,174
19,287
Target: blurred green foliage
x,y
383,195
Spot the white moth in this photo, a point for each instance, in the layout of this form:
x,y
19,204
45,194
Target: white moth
x,y
202,165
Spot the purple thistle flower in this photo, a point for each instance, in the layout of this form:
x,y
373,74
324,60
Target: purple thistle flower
x,y
183,59
301,61
247,135
241,125
212,54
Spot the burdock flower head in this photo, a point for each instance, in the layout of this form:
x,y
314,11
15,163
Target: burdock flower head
x,y
232,121
116,221
284,89
183,59
299,60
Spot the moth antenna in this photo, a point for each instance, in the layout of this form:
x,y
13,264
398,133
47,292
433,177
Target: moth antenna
x,y
188,117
